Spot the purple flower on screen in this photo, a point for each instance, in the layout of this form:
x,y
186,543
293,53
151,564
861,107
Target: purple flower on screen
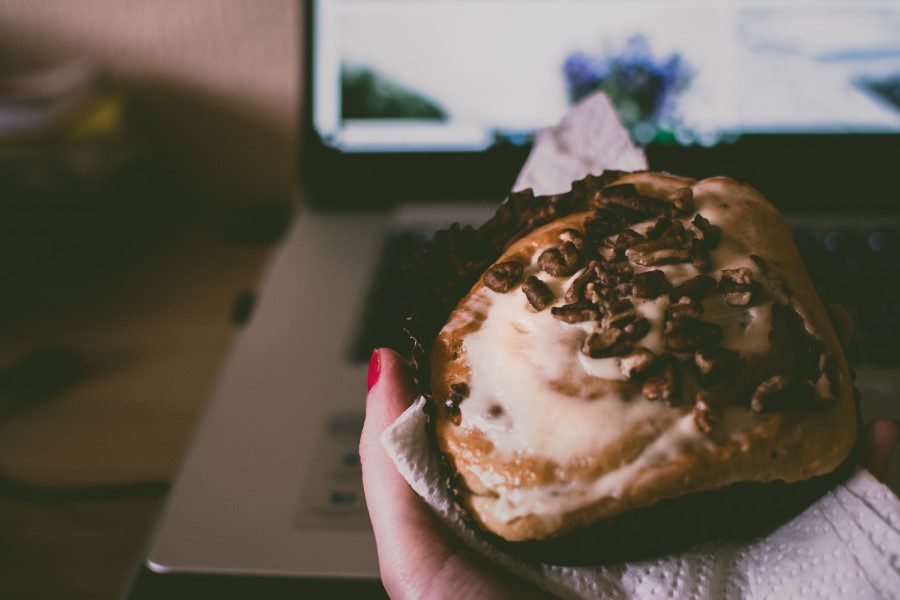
x,y
642,86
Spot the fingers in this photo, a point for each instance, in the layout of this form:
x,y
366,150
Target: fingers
x,y
392,392
402,523
842,322
878,444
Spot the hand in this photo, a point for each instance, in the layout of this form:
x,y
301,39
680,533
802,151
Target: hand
x,y
417,556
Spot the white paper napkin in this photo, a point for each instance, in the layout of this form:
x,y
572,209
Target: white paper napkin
x,y
588,140
846,545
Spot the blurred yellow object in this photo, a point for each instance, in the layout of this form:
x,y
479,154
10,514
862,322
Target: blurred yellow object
x,y
104,117
50,107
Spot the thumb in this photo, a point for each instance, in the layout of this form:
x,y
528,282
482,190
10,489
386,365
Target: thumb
x,y
391,391
403,525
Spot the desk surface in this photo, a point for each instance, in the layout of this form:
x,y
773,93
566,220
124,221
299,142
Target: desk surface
x,y
152,330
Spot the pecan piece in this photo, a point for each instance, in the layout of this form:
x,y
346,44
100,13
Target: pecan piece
x,y
669,256
716,364
699,255
738,286
705,231
739,297
694,288
637,363
626,240
627,196
684,308
630,216
575,293
623,289
676,231
503,276
554,261
659,226
649,284
596,293
637,329
705,416
570,254
588,189
572,236
688,334
458,393
665,384
604,223
537,293
665,228
683,200
741,276
619,318
604,343
782,393
606,251
610,302
652,245
574,313
612,274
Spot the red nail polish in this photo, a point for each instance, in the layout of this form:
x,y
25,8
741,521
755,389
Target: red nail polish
x,y
374,370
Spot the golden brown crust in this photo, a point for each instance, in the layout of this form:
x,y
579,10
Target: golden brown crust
x,y
790,445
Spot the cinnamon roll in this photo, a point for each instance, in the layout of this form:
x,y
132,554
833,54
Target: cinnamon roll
x,y
648,337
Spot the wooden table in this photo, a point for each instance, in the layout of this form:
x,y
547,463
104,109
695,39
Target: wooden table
x,y
152,331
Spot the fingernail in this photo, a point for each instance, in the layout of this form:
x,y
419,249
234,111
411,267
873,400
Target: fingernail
x,y
374,370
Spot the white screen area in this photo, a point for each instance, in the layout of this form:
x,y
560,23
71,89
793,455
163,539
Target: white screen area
x,y
447,75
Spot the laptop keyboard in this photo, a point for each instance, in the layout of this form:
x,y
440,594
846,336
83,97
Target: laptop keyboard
x,y
381,323
857,268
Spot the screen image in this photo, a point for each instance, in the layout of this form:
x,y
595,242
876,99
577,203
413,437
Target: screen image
x,y
464,75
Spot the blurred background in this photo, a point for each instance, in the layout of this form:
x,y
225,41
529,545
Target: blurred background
x,y
151,155
147,158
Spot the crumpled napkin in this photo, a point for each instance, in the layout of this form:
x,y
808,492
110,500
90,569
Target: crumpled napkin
x,y
589,139
845,545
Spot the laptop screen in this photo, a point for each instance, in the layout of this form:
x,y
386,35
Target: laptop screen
x,y
465,75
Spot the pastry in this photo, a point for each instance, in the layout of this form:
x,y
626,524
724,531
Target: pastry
x,y
644,337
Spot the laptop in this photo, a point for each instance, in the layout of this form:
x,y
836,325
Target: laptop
x,y
417,115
